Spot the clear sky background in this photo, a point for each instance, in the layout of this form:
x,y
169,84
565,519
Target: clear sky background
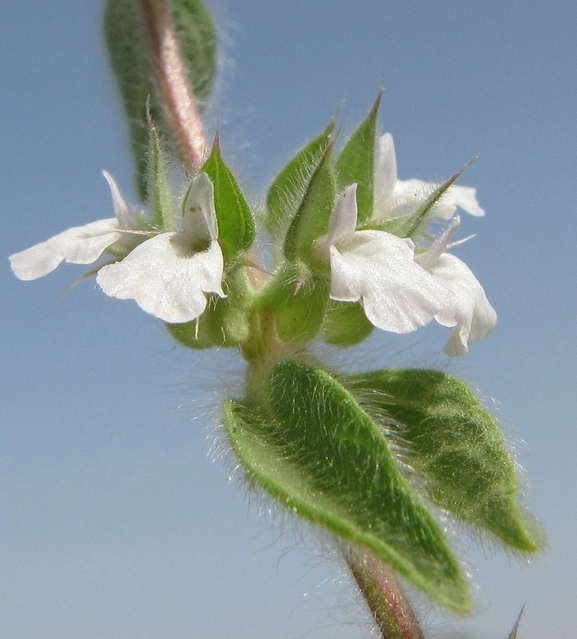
x,y
116,519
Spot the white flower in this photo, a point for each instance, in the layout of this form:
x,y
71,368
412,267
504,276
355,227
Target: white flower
x,y
395,198
474,315
377,269
169,275
82,244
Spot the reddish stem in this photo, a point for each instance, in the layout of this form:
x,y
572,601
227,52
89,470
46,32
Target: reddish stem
x,y
384,596
177,96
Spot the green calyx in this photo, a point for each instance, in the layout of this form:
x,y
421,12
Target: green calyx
x,y
312,218
287,191
298,300
226,321
345,324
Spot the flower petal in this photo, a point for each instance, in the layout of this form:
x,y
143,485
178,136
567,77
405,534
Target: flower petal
x,y
121,208
385,170
164,280
377,269
474,314
78,245
344,217
199,214
408,197
466,198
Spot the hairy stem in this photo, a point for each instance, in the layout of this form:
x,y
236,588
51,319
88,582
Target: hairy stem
x,y
177,96
384,596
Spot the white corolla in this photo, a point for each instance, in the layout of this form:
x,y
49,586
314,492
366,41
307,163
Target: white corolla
x,y
394,198
378,270
167,273
472,311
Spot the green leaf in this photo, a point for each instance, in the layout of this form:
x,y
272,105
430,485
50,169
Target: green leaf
x,y
356,163
236,228
313,216
315,450
126,43
345,324
128,57
453,443
285,193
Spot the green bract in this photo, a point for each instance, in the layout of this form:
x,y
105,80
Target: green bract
x,y
236,228
345,324
313,215
313,447
297,299
286,192
412,224
356,163
224,323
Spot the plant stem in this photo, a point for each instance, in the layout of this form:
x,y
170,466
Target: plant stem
x,y
177,96
384,596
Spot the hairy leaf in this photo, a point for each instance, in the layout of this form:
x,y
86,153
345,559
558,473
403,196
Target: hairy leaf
x,y
453,443
314,449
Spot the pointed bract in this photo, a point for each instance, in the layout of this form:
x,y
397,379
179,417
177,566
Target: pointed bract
x,y
235,219
356,163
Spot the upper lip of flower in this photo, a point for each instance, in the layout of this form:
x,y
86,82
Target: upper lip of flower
x,y
394,198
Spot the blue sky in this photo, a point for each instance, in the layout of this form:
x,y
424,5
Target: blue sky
x,y
118,517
